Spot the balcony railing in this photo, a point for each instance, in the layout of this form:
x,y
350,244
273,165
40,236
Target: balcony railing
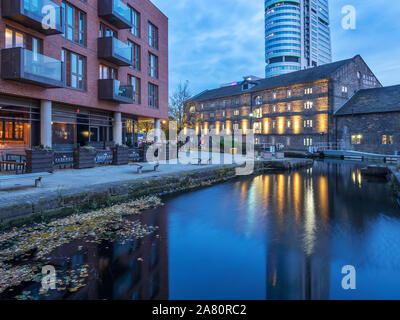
x,y
115,12
113,90
23,65
115,51
44,16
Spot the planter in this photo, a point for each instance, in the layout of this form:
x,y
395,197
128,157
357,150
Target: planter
x,y
121,156
39,161
84,158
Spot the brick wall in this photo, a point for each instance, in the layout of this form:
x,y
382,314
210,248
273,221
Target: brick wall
x,y
371,127
52,46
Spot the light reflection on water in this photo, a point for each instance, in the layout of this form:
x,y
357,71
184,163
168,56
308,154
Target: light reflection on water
x,y
275,236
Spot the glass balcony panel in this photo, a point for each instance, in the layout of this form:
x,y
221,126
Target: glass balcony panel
x,y
122,9
123,91
42,66
122,49
42,8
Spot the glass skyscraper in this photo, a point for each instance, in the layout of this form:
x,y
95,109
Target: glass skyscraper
x,y
297,35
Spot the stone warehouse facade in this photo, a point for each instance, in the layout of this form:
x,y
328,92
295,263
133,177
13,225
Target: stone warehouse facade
x,y
370,121
88,79
294,110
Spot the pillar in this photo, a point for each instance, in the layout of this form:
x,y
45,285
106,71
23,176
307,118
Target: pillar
x,y
45,123
117,128
157,125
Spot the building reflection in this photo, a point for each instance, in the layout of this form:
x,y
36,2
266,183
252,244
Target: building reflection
x,y
296,269
132,270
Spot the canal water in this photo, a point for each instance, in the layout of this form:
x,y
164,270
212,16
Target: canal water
x,y
273,236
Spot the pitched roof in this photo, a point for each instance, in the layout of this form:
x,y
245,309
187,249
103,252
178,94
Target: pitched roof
x,y
303,76
386,99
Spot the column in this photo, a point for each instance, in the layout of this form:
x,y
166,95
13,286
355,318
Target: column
x,y
45,123
157,125
117,128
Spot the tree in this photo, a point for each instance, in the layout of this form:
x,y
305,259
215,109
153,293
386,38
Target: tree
x,y
177,105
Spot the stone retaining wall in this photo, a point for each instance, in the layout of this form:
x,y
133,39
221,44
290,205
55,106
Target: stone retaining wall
x,y
63,203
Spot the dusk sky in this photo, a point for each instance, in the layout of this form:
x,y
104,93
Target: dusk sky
x,y
219,41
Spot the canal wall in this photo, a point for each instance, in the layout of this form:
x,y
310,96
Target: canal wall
x,y
61,203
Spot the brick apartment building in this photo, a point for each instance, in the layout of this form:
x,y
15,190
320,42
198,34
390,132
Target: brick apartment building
x,y
88,79
295,109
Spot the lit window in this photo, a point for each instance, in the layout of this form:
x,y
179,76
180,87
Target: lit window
x,y
289,107
289,124
308,142
356,139
308,91
308,105
289,93
236,112
387,139
344,89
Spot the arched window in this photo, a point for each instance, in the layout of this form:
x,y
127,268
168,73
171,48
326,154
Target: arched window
x,y
258,100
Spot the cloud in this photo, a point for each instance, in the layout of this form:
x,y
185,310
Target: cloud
x,y
220,41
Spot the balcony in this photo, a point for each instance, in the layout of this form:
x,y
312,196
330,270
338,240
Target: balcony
x,y
115,12
30,67
33,14
112,90
115,51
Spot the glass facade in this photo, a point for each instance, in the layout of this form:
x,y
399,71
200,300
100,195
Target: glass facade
x,y
297,35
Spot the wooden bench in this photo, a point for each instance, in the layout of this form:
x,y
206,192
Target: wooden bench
x,y
9,163
140,167
37,176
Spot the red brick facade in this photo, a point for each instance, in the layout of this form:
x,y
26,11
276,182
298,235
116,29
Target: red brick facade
x,y
53,45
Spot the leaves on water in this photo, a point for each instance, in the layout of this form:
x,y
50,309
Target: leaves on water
x,y
25,250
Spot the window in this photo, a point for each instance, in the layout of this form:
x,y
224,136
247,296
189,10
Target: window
x,y
258,100
235,126
274,109
289,93
75,24
192,109
135,55
153,36
308,142
135,82
82,28
135,20
11,130
257,127
308,123
344,89
76,70
308,105
106,31
236,112
356,139
14,39
258,113
106,72
308,91
274,95
273,124
289,107
153,66
387,139
289,124
153,96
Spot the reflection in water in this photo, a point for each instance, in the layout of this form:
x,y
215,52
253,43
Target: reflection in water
x,y
275,236
132,270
